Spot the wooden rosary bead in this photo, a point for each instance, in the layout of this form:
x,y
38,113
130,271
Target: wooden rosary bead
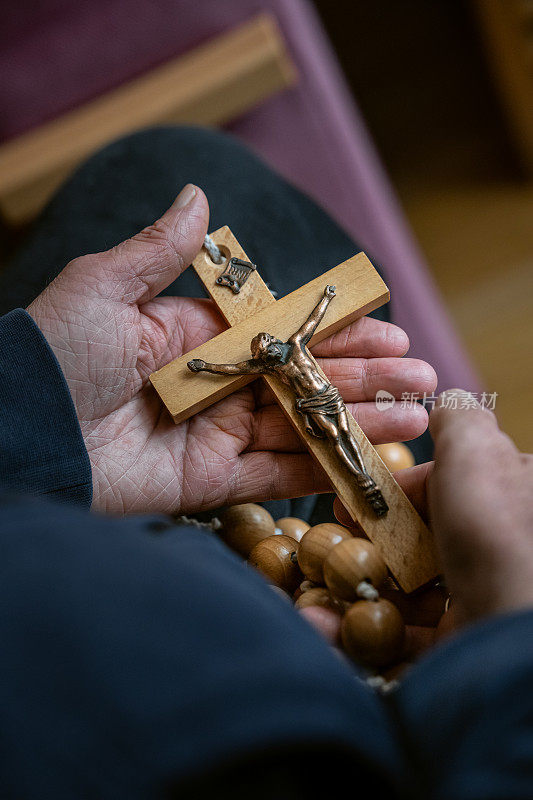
x,y
276,558
319,596
395,455
316,544
292,526
373,633
422,609
350,562
244,526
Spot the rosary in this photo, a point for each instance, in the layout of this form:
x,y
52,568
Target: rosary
x,y
327,567
331,567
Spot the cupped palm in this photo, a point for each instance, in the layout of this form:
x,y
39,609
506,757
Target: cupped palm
x,y
109,331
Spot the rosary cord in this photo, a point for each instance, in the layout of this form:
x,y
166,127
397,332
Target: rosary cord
x,y
366,591
381,685
216,256
213,250
214,525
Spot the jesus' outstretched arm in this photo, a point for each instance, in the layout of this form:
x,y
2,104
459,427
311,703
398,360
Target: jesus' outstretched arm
x,y
303,335
241,368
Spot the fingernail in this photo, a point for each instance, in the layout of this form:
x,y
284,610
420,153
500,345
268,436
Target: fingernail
x,y
187,195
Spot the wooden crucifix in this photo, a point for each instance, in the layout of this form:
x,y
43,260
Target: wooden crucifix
x,y
400,534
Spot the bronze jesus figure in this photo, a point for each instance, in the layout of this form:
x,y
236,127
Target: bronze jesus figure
x,y
318,401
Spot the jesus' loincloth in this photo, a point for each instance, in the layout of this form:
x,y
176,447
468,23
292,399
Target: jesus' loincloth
x,y
328,402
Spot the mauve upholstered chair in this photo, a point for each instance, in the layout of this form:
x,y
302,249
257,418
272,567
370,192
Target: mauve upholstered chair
x,y
55,54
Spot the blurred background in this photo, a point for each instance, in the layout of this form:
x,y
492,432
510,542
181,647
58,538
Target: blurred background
x,y
455,131
411,122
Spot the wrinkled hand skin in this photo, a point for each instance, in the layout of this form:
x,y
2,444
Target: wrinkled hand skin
x,y
477,496
110,331
480,501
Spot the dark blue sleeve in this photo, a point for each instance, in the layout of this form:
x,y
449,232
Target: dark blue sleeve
x,y
466,714
136,654
41,446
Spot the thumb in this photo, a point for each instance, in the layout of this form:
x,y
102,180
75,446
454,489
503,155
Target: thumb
x,y
138,269
461,427
466,438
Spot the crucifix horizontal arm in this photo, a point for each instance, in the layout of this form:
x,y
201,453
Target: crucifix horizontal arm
x,y
249,367
359,290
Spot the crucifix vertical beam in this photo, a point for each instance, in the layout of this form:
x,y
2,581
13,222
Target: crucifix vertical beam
x,y
402,537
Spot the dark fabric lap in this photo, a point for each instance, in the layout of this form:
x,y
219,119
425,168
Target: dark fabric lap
x,y
137,655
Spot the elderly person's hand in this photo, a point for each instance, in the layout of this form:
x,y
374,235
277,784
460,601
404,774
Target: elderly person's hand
x,y
109,331
477,496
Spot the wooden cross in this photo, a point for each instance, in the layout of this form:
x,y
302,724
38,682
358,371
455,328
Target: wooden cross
x,y
401,536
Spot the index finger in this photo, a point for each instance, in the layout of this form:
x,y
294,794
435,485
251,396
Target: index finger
x,y
365,338
462,428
